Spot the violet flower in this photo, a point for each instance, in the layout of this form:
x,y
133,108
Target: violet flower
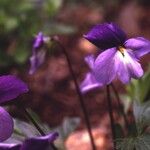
x,y
38,53
10,88
89,82
120,57
35,143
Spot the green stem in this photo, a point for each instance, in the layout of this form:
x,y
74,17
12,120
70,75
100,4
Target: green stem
x,y
80,97
109,101
30,118
120,106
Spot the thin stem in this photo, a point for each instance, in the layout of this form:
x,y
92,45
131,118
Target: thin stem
x,y
80,97
34,122
29,116
120,106
111,114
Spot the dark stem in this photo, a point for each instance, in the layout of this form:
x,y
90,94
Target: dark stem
x,y
120,106
30,118
33,121
80,97
111,115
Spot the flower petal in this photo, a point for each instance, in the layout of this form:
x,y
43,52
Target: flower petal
x,y
11,87
122,72
89,83
105,66
39,40
39,143
140,45
128,66
90,61
6,125
106,36
4,146
36,60
134,66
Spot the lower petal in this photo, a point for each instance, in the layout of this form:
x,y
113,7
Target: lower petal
x,y
6,125
122,73
39,143
134,66
4,146
105,66
90,61
89,83
128,66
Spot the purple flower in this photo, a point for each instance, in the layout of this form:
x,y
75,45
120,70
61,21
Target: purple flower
x,y
10,88
38,41
36,60
89,82
38,53
35,143
120,57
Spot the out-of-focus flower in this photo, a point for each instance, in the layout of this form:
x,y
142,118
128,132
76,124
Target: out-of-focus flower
x,y
38,41
38,53
120,57
10,88
35,143
89,82
36,60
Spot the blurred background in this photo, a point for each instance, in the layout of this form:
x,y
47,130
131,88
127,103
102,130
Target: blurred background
x,y
52,92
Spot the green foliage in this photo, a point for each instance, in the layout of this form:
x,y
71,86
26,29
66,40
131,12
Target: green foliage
x,y
51,6
139,143
67,127
139,89
23,130
142,115
20,20
142,140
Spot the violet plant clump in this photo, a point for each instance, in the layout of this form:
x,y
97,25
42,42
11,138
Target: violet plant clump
x,y
10,88
119,56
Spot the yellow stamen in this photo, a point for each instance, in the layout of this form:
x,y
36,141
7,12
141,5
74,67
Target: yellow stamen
x,y
121,49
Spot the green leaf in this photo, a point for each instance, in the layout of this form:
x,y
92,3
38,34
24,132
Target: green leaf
x,y
21,55
139,89
143,142
139,143
25,129
125,144
59,28
67,127
52,6
142,115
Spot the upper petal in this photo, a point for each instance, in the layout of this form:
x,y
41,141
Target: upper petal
x,y
11,87
89,83
106,35
105,66
6,125
139,45
39,143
